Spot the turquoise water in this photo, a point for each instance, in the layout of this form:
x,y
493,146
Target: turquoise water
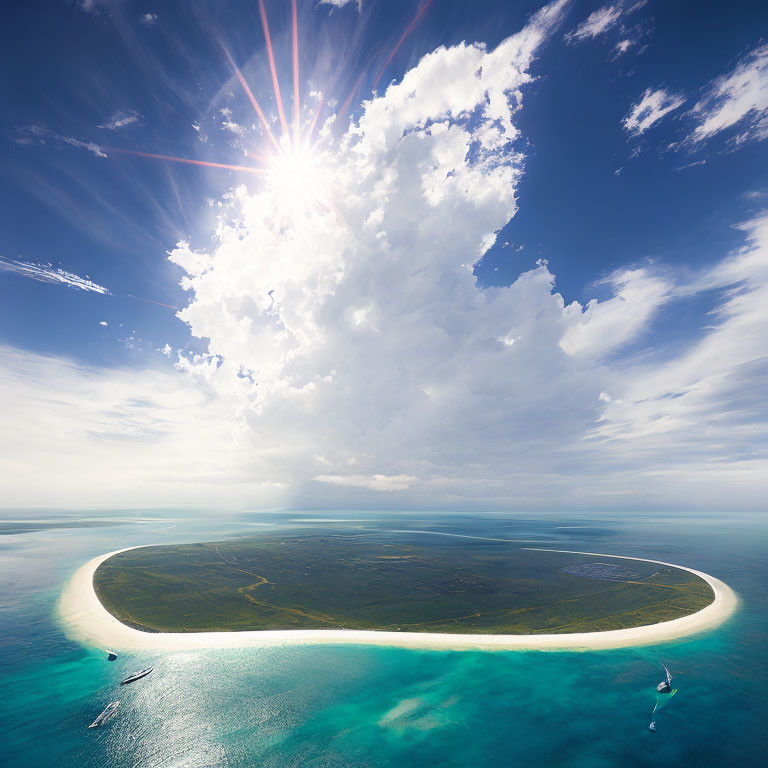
x,y
363,706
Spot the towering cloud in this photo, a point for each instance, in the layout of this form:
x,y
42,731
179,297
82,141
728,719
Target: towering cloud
x,y
346,323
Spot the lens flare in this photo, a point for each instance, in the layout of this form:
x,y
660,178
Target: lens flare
x,y
290,164
405,34
188,161
272,68
253,101
314,120
296,101
344,108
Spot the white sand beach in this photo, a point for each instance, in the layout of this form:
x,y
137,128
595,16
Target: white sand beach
x,y
86,620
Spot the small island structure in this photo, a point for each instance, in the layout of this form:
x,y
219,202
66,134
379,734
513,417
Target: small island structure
x,y
404,592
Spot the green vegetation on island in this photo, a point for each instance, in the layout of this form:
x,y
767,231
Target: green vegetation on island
x,y
399,583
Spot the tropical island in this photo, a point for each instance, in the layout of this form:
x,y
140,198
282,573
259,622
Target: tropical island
x,y
450,593
364,583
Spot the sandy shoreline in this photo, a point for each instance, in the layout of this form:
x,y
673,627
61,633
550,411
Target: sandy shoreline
x,y
86,620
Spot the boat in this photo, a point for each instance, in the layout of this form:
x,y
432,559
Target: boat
x,y
107,714
137,676
111,655
665,686
652,726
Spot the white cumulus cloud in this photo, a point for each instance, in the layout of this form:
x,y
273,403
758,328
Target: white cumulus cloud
x,y
360,321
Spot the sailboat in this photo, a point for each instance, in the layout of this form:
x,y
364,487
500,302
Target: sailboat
x,y
137,676
665,686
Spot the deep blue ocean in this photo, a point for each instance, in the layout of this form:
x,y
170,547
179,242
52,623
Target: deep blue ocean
x,y
325,706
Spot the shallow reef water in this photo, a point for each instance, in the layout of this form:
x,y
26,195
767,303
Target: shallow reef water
x,y
365,706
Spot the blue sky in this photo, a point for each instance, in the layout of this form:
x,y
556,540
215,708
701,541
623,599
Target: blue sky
x,y
628,154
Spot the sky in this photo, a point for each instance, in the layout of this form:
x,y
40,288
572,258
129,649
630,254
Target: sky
x,y
386,254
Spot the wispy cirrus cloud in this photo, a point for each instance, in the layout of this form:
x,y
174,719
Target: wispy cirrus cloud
x,y
371,482
734,105
341,3
90,431
122,119
597,23
611,22
604,20
41,134
47,273
653,105
738,99
603,326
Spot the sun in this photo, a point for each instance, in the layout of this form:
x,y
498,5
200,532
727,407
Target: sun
x,y
296,178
